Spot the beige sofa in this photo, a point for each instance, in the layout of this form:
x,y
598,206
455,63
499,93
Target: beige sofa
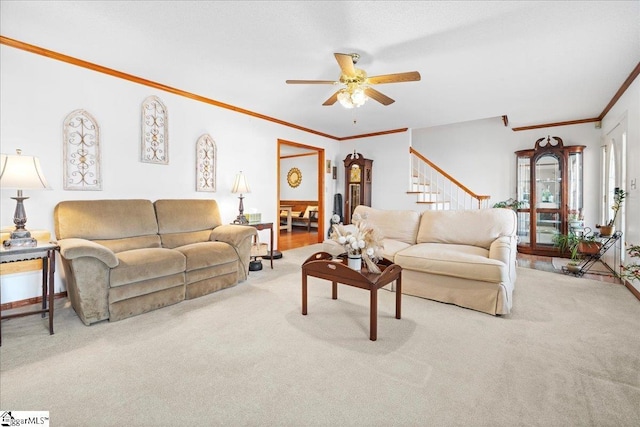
x,y
126,257
464,257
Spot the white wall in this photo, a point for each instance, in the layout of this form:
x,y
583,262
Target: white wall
x,y
308,188
628,106
390,169
480,154
36,94
476,153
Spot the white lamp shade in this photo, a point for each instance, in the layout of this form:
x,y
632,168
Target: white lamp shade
x,y
21,173
240,185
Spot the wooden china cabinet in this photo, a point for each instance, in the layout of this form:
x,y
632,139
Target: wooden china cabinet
x,y
549,180
357,173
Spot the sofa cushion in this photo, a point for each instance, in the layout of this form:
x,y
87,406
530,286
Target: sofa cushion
x,y
175,240
397,225
185,215
207,254
154,289
308,210
143,264
391,247
463,261
479,227
183,221
139,242
105,219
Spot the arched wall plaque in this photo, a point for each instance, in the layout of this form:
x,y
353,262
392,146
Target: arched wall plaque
x,y
154,147
205,164
81,152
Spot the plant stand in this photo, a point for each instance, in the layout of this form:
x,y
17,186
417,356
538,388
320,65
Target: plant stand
x,y
590,259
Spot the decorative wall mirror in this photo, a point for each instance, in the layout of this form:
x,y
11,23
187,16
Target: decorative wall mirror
x,y
294,177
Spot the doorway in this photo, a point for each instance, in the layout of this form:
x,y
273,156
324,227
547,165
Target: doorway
x,y
613,177
306,164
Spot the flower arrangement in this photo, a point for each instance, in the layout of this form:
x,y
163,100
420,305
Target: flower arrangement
x,y
631,271
360,239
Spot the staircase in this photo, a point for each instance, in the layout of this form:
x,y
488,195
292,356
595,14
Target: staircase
x,y
437,190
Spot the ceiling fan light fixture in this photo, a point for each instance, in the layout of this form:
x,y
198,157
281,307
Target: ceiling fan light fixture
x,y
357,86
358,97
352,97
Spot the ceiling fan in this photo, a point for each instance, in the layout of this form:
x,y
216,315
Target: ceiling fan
x,y
357,85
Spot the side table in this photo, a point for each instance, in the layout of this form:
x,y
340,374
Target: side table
x,y
47,253
265,226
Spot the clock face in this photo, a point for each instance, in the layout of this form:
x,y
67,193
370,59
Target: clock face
x,y
294,177
354,176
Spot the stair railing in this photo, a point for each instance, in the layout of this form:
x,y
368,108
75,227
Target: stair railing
x,y
438,189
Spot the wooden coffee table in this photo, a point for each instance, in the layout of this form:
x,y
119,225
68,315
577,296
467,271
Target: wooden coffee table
x,y
323,266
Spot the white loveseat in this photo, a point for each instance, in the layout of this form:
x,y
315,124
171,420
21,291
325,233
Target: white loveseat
x,y
461,257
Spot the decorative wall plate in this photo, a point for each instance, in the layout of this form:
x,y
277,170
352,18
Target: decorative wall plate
x,y
294,177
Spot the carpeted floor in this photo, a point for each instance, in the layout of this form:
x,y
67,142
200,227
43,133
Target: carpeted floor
x,y
568,355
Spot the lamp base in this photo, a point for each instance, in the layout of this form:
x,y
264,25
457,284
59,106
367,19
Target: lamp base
x,y
20,242
241,219
255,265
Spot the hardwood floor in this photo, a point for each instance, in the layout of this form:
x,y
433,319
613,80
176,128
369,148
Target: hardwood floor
x,y
545,263
297,238
300,237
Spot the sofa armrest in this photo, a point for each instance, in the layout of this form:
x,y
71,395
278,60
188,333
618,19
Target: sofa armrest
x,y
501,249
240,237
76,248
505,249
87,267
233,234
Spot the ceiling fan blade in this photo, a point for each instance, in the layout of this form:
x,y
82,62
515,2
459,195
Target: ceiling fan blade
x,y
411,76
332,100
346,64
310,82
378,96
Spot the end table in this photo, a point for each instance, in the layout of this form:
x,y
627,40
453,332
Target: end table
x,y
46,252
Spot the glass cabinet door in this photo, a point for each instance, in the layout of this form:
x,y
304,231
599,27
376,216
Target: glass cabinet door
x,y
548,182
574,183
523,195
548,199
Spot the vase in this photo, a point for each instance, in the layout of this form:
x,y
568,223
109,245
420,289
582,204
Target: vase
x,y
589,248
607,230
354,262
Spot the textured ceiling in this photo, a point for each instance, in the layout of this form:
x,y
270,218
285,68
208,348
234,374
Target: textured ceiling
x,y
536,62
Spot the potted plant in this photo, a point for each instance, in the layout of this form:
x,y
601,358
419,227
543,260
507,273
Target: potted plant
x,y
631,272
510,204
567,243
618,199
577,246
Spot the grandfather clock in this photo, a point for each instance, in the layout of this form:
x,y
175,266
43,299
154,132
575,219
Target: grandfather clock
x,y
357,173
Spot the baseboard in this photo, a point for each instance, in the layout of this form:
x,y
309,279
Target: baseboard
x,y
28,301
632,289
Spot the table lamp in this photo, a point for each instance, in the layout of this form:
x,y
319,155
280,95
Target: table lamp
x,y
21,173
240,186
